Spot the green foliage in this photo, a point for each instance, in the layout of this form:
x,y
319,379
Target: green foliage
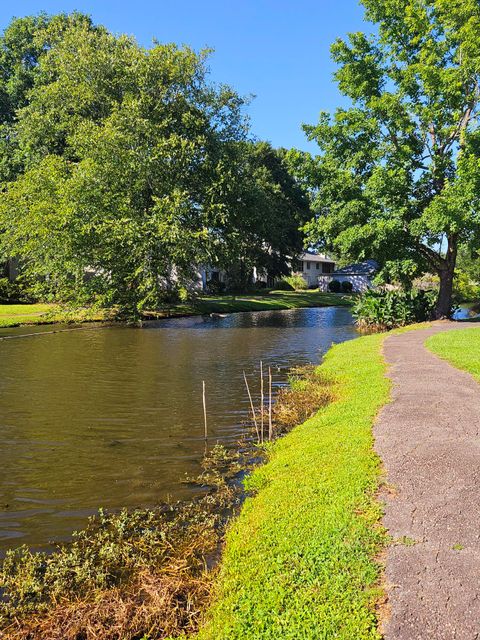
x,y
283,285
398,178
464,288
397,308
300,561
11,292
215,287
335,286
296,282
131,168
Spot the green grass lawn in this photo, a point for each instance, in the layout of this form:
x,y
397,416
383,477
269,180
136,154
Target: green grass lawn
x,y
300,561
460,347
13,315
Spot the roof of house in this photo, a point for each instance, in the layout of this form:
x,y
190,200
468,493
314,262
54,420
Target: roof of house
x,y
309,256
366,268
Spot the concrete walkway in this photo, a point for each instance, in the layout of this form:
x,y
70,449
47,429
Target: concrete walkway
x,y
428,439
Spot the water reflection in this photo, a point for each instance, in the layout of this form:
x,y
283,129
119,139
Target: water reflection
x,y
113,416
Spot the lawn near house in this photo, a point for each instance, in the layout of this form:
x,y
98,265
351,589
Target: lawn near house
x,y
12,315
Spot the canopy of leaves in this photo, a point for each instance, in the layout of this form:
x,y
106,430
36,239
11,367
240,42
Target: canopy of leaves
x,y
398,175
126,164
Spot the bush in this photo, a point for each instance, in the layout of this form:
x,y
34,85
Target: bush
x,y
335,286
215,287
464,288
11,292
347,286
388,309
297,283
283,285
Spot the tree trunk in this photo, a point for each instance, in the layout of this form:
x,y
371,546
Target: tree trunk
x,y
444,300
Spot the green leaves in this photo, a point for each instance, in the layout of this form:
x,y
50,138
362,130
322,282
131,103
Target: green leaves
x,y
398,170
128,169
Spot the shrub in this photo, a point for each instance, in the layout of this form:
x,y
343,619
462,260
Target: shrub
x,y
334,286
347,286
11,292
215,287
283,285
296,282
388,309
464,288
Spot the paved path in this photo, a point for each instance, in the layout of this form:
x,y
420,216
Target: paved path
x,y
428,439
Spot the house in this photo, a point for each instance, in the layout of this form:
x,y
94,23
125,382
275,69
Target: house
x,y
360,274
311,265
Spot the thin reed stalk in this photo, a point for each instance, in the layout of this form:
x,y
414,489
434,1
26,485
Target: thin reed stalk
x,y
262,401
270,423
252,407
204,409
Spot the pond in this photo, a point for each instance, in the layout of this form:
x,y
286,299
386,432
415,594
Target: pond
x,y
112,416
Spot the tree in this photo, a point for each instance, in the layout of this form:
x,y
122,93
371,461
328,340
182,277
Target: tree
x,y
122,149
398,178
267,208
135,170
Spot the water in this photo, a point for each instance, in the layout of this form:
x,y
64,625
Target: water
x,y
113,416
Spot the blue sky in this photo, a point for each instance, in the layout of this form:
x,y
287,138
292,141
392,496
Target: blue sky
x,y
277,50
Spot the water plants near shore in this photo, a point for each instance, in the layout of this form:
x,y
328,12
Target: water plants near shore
x,y
301,559
147,572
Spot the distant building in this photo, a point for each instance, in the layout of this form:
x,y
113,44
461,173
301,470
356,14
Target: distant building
x,y
311,265
359,274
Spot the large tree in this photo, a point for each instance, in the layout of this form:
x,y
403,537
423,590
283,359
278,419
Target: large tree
x,y
134,169
398,177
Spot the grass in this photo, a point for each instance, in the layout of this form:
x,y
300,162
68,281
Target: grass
x,y
24,314
300,561
460,347
14,315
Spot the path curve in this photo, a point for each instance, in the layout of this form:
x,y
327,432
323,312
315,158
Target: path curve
x,y
428,439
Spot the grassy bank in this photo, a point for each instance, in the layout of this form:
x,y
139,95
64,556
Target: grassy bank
x,y
460,347
268,301
299,561
14,315
19,314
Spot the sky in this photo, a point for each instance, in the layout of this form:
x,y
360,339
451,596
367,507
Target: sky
x,y
276,50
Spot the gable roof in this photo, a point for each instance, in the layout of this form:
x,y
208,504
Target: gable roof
x,y
366,268
309,256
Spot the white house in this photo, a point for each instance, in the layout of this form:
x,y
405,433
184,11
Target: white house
x,y
359,274
311,265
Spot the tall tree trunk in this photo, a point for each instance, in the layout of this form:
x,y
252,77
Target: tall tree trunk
x,y
444,300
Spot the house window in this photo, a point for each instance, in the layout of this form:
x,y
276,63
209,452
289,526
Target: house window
x,y
308,265
215,277
317,265
328,267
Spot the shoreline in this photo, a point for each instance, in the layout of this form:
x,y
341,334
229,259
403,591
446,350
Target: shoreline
x,y
50,314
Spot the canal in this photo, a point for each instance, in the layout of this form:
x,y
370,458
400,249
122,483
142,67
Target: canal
x,y
112,416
